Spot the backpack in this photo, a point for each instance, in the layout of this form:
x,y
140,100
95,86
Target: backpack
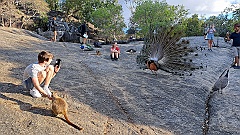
x,y
50,24
79,29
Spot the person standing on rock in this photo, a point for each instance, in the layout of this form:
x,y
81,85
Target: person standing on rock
x,y
37,73
83,30
205,32
235,36
54,29
210,36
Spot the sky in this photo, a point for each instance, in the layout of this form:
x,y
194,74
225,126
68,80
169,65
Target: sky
x,y
200,7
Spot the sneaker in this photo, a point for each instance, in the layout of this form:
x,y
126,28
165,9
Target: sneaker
x,y
46,89
35,93
82,46
236,67
209,49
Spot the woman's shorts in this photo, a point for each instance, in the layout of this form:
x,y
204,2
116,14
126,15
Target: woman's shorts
x,y
210,36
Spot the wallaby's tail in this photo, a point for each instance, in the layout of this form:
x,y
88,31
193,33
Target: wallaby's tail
x,y
70,123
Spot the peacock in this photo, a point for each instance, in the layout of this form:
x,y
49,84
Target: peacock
x,y
162,46
222,82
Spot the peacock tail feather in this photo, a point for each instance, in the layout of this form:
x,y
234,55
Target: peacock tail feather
x,y
163,46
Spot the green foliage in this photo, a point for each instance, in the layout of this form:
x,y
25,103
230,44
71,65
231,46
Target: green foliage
x,y
149,13
110,20
236,14
106,15
83,9
53,4
227,19
73,7
44,21
194,26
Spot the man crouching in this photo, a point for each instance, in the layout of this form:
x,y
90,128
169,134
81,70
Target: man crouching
x,y
37,73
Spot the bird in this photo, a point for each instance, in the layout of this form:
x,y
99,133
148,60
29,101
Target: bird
x,y
98,52
162,46
131,51
222,82
152,66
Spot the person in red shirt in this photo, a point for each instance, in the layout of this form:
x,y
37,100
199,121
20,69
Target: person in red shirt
x,y
115,51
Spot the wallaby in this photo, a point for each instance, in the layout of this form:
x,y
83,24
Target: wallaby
x,y
59,106
98,52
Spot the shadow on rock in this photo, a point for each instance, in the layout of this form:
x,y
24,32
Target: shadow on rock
x,y
24,106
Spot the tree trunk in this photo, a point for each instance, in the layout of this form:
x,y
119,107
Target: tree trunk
x,y
3,22
23,22
10,22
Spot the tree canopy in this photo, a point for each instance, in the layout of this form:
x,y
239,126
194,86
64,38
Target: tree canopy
x,y
156,14
107,16
109,20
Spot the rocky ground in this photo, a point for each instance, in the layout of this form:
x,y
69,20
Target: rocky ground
x,y
115,97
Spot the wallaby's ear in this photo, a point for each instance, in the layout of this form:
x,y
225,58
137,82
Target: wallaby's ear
x,y
54,94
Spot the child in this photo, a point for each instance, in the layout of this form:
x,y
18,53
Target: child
x,y
40,72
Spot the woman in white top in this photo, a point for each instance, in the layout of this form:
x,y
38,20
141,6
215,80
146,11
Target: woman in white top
x,y
210,36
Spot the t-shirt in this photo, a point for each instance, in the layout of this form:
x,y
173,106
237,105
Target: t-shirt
x,y
113,49
211,30
236,39
83,29
32,70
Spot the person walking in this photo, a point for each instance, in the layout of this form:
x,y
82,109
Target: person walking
x,y
210,36
54,29
205,32
235,36
83,30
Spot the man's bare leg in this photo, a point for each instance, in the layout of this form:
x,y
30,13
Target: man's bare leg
x,y
237,60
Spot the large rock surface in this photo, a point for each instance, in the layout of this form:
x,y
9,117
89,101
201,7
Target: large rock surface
x,y
116,97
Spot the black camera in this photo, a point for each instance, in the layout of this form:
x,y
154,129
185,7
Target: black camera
x,y
58,62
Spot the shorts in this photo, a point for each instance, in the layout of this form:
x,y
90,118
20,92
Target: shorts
x,y
28,84
85,36
236,51
81,39
210,36
53,29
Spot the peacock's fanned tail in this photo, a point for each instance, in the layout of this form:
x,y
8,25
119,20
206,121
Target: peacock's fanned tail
x,y
163,46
